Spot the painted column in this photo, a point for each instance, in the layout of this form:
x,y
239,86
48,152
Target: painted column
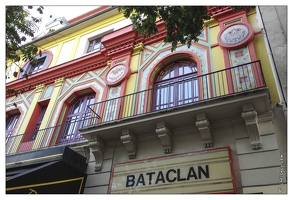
x,y
131,82
44,125
133,67
28,116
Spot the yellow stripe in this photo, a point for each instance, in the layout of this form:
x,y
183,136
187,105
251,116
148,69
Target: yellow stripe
x,y
35,159
49,183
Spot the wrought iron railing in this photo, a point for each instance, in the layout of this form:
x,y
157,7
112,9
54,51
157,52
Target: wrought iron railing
x,y
184,91
60,135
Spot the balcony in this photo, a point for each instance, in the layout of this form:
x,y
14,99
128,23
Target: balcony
x,y
220,95
66,134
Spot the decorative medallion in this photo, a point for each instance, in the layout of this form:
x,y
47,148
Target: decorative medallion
x,y
117,74
235,35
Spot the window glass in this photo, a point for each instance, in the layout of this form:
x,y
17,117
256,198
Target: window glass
x,y
95,45
10,124
43,62
39,66
38,124
48,92
77,113
176,85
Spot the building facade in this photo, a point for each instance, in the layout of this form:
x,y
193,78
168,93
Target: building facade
x,y
106,110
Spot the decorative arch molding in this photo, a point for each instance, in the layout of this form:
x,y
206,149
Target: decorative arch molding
x,y
22,101
47,54
66,70
84,78
171,58
73,93
197,53
22,109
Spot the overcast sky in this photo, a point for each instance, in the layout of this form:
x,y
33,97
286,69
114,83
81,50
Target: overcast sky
x,y
69,12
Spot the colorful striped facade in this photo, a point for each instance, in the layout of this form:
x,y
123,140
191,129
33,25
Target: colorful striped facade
x,y
142,119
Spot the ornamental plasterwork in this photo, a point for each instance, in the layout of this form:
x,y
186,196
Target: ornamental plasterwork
x,y
69,92
200,52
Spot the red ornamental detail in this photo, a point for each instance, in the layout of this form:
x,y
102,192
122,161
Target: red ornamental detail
x,y
236,35
117,74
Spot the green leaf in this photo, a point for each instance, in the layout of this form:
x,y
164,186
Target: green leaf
x,y
183,23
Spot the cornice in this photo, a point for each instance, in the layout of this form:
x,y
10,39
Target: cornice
x,y
66,70
221,13
120,42
88,14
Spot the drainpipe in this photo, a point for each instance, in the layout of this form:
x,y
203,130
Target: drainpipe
x,y
273,64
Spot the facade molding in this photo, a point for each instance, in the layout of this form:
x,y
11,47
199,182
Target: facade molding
x,y
66,70
59,82
40,88
217,125
119,43
137,49
269,116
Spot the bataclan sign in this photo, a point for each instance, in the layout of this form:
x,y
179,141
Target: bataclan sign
x,y
170,176
207,171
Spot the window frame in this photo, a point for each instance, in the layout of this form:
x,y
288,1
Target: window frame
x,y
92,43
12,119
38,124
34,68
70,130
46,55
168,88
95,36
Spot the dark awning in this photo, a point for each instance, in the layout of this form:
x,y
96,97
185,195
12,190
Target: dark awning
x,y
58,170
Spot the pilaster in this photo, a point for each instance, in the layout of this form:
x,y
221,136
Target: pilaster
x,y
48,114
28,116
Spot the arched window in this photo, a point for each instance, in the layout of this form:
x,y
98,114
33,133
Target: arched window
x,y
176,85
11,122
42,62
76,114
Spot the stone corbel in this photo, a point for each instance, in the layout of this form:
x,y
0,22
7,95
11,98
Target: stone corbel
x,y
129,141
165,135
97,148
251,121
204,128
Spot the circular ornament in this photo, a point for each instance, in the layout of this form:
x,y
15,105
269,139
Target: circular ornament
x,y
116,75
235,35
